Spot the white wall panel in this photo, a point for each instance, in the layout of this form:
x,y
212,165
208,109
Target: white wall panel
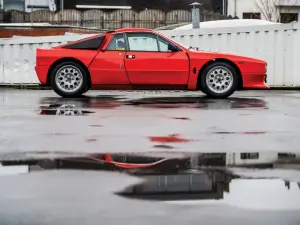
x,y
279,45
18,55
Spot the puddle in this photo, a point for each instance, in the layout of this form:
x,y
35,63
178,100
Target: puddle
x,y
108,102
246,132
222,187
96,125
98,102
217,189
183,161
192,177
63,110
181,118
164,146
172,138
198,102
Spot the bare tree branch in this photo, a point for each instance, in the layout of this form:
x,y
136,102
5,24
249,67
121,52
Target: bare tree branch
x,y
266,8
271,9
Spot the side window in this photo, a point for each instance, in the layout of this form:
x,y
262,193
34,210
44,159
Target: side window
x,y
163,45
117,43
142,42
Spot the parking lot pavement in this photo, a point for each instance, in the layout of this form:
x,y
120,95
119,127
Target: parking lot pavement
x,y
51,192
85,197
32,120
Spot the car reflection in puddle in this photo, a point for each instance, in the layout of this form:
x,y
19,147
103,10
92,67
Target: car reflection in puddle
x,y
198,102
187,176
98,102
63,110
109,102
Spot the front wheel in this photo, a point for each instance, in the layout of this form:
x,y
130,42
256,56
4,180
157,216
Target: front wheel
x,y
219,80
69,79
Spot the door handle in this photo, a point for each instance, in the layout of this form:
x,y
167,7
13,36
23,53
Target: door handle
x,y
130,56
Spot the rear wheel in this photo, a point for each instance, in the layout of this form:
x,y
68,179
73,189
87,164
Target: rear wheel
x,y
86,89
69,79
219,80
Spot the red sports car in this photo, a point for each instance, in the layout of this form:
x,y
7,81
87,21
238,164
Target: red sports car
x,y
142,59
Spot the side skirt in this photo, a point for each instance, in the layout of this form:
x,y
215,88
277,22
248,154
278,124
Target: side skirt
x,y
140,87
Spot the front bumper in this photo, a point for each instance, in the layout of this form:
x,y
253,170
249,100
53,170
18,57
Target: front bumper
x,y
255,81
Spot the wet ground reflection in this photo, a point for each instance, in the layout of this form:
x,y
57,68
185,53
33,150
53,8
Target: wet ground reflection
x,y
75,186
198,102
191,176
60,106
220,186
63,110
153,162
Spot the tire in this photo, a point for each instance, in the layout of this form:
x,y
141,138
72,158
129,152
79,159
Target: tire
x,y
219,87
69,79
86,89
202,90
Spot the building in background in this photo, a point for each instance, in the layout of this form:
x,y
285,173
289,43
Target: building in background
x,y
24,5
260,159
284,11
105,14
139,5
218,6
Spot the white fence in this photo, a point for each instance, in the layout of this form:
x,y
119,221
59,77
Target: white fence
x,y
279,45
17,56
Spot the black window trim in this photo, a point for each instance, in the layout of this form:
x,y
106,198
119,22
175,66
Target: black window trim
x,y
157,41
124,36
178,48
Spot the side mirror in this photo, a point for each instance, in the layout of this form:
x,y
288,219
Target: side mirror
x,y
172,48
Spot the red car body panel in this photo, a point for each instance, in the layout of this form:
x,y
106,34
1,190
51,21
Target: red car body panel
x,y
47,57
109,73
162,68
109,159
253,71
135,165
148,70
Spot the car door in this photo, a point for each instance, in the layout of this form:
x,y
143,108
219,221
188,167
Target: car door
x,y
108,66
148,61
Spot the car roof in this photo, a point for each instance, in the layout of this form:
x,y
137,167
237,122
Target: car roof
x,y
131,30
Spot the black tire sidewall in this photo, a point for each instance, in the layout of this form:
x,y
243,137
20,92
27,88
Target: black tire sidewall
x,y
77,93
203,86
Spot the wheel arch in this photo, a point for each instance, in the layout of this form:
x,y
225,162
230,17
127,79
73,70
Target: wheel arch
x,y
237,69
64,60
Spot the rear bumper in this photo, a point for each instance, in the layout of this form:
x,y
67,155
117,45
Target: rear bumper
x,y
42,73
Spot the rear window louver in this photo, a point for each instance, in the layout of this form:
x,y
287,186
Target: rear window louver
x,y
91,44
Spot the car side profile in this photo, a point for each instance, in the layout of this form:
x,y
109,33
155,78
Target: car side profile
x,y
143,59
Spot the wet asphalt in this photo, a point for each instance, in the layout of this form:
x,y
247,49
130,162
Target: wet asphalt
x,y
33,120
84,197
41,122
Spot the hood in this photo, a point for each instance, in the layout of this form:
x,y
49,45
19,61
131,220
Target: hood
x,y
226,55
